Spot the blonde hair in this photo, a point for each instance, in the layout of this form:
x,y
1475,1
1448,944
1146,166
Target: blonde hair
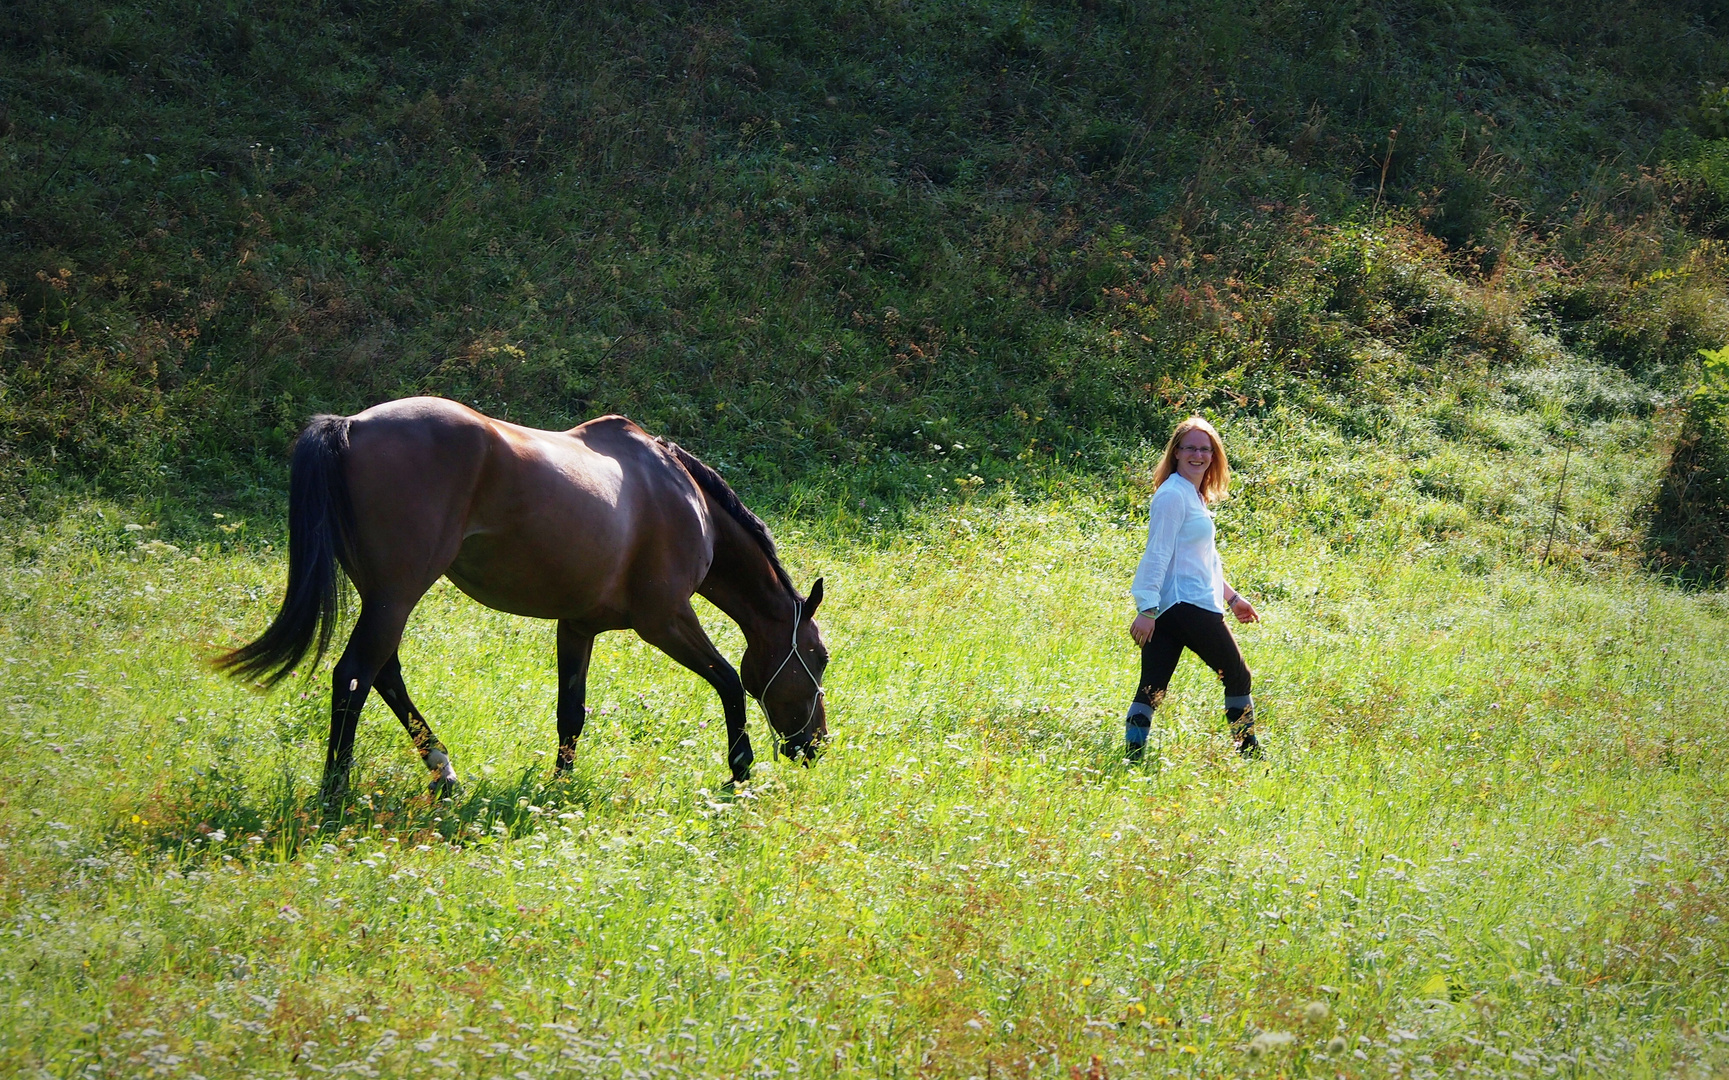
x,y
1217,480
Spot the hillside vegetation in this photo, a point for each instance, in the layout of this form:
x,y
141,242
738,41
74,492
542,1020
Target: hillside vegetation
x,y
816,241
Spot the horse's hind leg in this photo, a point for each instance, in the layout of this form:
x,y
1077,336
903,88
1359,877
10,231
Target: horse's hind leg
x,y
575,649
395,694
373,642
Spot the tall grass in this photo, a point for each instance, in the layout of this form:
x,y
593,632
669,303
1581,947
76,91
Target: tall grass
x,y
1487,837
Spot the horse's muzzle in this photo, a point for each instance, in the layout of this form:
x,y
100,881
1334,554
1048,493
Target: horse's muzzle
x,y
803,751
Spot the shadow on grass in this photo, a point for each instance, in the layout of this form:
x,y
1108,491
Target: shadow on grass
x,y
223,815
1688,540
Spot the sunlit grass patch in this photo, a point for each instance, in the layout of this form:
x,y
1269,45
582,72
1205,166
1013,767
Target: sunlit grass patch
x,y
1486,833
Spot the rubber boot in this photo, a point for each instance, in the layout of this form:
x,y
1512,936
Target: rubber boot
x,y
1243,731
1135,730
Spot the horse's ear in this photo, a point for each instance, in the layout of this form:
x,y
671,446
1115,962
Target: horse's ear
x,y
811,601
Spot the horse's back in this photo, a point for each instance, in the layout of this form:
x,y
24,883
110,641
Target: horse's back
x,y
582,524
654,472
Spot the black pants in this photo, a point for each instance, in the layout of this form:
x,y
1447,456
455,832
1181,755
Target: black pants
x,y
1204,633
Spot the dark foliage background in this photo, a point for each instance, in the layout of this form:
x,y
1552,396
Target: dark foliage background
x,y
815,240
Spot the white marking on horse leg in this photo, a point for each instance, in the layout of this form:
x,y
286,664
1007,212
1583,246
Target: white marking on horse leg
x,y
439,762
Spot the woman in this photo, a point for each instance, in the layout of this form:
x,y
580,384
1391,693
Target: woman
x,y
1180,591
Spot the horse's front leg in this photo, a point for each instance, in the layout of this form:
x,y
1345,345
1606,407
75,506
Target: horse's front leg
x,y
680,635
432,752
575,649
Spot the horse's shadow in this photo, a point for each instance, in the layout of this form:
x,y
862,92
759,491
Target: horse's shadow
x,y
224,815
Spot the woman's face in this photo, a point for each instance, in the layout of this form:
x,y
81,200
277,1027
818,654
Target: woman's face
x,y
1194,455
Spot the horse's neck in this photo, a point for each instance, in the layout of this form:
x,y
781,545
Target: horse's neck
x,y
742,582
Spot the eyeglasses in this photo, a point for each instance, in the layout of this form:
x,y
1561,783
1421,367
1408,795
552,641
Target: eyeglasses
x,y
1207,449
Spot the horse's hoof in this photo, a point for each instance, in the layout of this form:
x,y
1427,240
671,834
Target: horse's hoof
x,y
444,783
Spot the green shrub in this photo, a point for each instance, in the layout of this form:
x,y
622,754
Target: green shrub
x,y
1700,169
1691,533
1710,118
1697,161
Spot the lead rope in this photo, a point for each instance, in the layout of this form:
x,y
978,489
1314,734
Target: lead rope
x,y
810,714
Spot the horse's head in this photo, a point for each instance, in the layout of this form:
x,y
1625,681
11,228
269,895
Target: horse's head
x,y
784,671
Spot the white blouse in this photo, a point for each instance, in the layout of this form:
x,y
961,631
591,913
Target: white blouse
x,y
1181,563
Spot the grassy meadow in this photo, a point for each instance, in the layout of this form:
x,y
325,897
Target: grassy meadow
x,y
928,281
1487,838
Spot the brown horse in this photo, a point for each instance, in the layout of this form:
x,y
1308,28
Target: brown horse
x,y
601,527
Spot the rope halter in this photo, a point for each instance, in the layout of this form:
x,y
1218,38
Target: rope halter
x,y
810,714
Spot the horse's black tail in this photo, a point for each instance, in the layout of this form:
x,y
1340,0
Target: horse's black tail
x,y
320,538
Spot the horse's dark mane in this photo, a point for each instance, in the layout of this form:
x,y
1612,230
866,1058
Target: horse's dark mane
x,y
722,493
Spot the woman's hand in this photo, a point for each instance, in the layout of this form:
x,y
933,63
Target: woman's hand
x,y
1142,629
1243,610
